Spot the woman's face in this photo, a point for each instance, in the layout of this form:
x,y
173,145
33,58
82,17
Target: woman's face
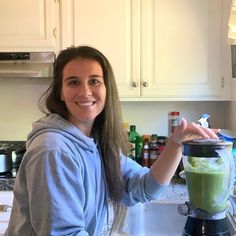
x,y
83,91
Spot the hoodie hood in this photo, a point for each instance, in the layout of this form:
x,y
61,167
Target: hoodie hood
x,y
55,123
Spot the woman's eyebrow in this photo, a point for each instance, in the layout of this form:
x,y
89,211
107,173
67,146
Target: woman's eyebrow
x,y
77,77
96,76
71,77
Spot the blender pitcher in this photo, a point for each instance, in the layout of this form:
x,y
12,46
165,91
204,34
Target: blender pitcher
x,y
209,170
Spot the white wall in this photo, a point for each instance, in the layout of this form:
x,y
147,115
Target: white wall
x,y
152,117
19,98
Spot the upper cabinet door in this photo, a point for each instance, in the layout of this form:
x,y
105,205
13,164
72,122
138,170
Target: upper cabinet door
x,y
28,25
182,50
111,26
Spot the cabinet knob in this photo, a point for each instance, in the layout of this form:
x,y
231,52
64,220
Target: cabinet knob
x,y
145,84
135,84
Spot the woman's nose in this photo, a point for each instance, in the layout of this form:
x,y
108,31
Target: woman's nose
x,y
85,90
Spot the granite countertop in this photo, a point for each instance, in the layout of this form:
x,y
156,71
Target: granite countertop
x,y
6,184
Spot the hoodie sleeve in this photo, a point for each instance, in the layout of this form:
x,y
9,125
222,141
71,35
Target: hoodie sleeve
x,y
55,205
140,186
61,205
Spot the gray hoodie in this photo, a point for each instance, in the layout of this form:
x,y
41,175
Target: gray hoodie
x,y
60,188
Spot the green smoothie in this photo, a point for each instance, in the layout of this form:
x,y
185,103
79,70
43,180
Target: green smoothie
x,y
206,190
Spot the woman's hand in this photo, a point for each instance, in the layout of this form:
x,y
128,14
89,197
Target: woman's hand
x,y
192,131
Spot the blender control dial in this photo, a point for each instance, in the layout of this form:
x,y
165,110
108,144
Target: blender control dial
x,y
183,209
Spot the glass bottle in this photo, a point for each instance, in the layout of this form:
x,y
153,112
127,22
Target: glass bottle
x,y
132,139
138,149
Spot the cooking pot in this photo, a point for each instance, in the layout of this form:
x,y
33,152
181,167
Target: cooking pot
x,y
5,161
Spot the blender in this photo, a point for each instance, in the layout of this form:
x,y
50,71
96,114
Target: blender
x,y
209,170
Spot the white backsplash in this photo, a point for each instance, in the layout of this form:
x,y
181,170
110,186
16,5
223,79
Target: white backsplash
x,y
19,108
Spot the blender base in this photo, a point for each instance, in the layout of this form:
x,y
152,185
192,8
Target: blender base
x,y
201,227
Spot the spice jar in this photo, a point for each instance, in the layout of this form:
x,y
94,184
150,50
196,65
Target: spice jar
x,y
174,122
153,149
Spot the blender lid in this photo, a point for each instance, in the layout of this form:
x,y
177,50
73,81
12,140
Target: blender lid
x,y
205,147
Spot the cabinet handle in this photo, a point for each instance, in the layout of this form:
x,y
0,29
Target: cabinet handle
x,y
135,84
55,32
222,82
145,84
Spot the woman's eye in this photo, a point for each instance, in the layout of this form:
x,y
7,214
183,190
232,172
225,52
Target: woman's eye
x,y
94,81
73,82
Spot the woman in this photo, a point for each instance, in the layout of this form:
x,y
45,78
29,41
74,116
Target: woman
x,y
76,155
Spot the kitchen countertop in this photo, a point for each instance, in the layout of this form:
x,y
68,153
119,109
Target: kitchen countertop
x,y
175,191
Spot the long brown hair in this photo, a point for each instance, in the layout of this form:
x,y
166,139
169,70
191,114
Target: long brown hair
x,y
108,124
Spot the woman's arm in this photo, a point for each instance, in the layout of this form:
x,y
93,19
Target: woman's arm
x,y
164,168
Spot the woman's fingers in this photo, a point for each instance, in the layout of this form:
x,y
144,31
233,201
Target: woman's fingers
x,y
212,133
201,132
193,131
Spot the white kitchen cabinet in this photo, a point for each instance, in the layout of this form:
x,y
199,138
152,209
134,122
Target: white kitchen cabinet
x,y
182,50
111,26
28,25
160,50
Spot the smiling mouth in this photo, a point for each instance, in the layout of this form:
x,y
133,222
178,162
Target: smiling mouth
x,y
85,104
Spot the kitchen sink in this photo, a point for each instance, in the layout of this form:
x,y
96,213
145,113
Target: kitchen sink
x,y
157,218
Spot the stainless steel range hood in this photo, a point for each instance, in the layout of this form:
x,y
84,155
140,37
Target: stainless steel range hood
x,y
26,64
